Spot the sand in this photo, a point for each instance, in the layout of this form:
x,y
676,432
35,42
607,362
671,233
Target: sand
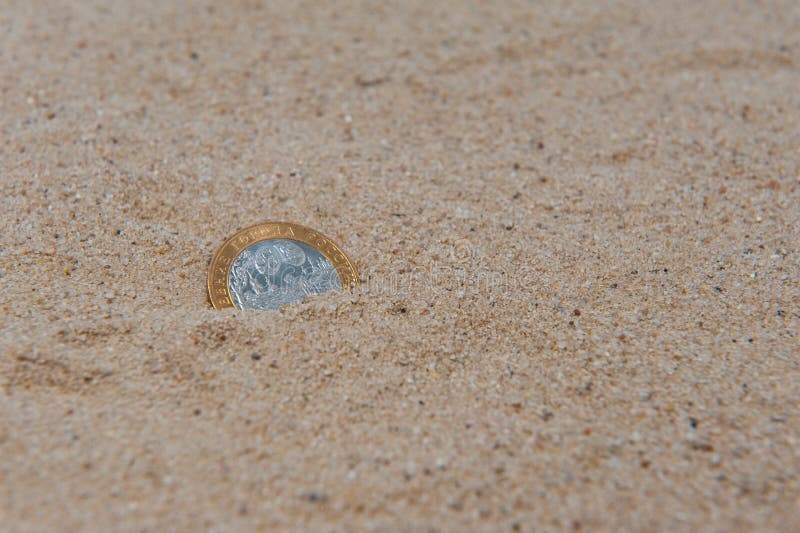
x,y
578,224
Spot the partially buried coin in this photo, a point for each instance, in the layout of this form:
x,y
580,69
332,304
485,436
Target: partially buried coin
x,y
273,264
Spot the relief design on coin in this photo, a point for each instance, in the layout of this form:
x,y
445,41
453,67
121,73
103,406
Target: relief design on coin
x,y
277,263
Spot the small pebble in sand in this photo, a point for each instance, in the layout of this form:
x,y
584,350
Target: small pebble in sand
x,y
316,497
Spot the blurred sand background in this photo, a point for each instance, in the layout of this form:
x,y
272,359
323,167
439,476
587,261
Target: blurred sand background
x,y
578,222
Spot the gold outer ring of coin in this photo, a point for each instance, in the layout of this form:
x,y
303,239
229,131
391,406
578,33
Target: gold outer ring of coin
x,y
218,291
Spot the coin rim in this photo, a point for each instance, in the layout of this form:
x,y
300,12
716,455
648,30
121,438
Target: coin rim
x,y
219,271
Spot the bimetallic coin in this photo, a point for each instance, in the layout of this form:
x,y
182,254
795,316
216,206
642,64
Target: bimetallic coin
x,y
277,263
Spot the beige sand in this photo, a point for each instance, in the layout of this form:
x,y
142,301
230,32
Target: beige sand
x,y
579,224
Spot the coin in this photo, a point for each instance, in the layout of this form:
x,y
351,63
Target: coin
x,y
273,264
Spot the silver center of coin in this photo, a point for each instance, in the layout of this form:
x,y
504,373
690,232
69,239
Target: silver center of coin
x,y
276,272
